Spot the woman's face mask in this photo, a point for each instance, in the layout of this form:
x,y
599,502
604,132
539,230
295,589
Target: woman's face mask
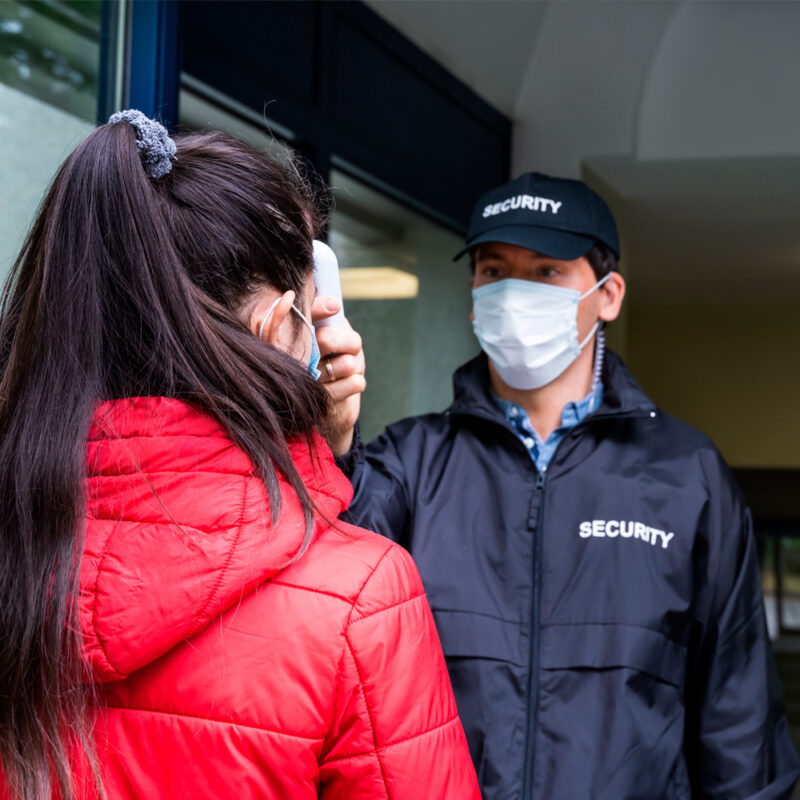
x,y
314,362
529,329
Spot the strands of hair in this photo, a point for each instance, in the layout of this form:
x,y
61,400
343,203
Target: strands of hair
x,y
127,286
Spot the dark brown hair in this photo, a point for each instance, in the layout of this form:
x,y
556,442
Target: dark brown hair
x,y
602,260
128,286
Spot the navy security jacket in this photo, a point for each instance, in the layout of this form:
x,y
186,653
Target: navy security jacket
x,y
603,624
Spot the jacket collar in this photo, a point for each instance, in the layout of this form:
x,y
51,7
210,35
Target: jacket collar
x,y
622,395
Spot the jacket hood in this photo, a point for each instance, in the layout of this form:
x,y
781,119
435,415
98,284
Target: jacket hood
x,y
621,393
178,528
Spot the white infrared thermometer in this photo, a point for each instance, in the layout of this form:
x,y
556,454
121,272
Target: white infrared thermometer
x,y
326,282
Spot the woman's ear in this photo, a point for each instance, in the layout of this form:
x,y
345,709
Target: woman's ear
x,y
268,315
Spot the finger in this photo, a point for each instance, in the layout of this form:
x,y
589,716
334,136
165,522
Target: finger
x,y
334,341
342,389
335,368
323,307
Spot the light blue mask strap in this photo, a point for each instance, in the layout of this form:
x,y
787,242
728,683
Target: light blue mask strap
x,y
597,324
595,287
303,317
591,333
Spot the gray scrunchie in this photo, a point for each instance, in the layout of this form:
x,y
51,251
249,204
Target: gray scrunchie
x,y
155,146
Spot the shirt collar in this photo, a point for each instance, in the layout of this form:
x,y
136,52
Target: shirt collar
x,y
576,410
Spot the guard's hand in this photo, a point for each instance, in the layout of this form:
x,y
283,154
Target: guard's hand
x,y
342,366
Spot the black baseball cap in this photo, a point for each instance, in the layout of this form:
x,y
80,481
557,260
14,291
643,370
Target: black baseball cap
x,y
556,217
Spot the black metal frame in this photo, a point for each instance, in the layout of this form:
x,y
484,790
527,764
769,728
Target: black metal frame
x,y
775,504
155,57
357,94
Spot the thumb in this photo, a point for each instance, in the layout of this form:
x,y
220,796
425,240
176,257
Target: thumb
x,y
324,307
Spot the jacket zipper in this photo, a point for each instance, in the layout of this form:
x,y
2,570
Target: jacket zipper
x,y
529,759
537,510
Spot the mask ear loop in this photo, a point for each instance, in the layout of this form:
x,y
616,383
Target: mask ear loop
x,y
595,287
303,317
594,330
266,318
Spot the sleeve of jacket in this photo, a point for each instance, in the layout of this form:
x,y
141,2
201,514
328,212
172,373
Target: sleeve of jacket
x,y
396,733
380,492
737,742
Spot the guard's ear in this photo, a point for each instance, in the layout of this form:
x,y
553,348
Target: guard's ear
x,y
613,293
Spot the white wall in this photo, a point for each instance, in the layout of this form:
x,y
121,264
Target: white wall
x,y
723,83
656,80
584,79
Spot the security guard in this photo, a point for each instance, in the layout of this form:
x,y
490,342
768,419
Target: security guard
x,y
588,558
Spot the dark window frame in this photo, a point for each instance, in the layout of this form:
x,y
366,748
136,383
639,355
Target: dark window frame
x,y
307,70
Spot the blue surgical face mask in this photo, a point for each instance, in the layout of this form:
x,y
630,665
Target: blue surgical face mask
x,y
314,361
315,354
313,364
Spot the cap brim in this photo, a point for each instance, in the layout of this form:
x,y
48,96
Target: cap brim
x,y
545,241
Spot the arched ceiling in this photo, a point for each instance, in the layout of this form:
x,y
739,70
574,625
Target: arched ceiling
x,y
686,113
723,83
486,43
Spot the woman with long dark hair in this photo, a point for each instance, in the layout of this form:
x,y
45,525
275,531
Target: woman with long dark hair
x,y
181,615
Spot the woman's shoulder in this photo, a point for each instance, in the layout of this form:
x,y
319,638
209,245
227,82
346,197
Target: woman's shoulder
x,y
356,565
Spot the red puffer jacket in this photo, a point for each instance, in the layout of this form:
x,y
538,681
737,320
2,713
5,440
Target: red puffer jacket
x,y
227,672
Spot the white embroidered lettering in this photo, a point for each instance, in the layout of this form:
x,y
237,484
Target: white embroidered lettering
x,y
626,529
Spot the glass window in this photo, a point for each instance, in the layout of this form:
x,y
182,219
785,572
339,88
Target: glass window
x,y
779,552
50,76
51,51
402,291
203,108
405,296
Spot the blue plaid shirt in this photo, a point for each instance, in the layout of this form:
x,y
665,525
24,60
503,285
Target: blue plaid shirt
x,y
542,451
